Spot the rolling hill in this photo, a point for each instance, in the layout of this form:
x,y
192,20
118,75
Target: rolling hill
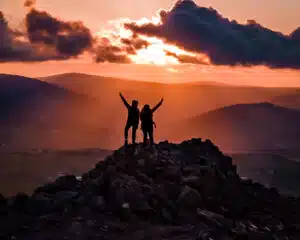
x,y
182,101
247,127
36,114
78,110
18,93
185,100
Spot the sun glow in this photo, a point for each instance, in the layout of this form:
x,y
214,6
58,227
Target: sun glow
x,y
153,54
114,31
157,52
160,53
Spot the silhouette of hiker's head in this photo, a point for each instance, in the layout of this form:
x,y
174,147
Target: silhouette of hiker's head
x,y
146,107
135,103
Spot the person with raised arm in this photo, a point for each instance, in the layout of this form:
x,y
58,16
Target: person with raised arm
x,y
147,121
132,119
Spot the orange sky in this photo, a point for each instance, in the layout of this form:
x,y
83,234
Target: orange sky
x,y
275,14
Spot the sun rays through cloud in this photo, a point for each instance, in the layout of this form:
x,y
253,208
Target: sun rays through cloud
x,y
160,53
154,50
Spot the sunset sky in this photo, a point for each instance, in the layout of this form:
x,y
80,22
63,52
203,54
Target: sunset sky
x,y
155,56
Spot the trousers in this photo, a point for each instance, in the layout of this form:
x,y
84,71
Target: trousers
x,y
148,131
134,128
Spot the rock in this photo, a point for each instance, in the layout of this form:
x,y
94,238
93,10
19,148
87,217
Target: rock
x,y
64,200
189,198
142,209
141,162
126,213
125,188
173,191
19,202
143,178
62,183
166,215
192,181
203,160
126,205
98,203
41,202
215,218
78,178
172,173
67,182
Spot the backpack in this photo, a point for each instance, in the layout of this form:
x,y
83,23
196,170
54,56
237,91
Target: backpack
x,y
146,117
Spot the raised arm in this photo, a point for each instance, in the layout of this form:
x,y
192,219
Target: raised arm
x,y
158,105
124,101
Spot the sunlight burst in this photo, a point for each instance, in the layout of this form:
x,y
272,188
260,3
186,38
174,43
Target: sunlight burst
x,y
154,54
157,52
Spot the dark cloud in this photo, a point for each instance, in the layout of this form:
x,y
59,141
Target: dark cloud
x,y
70,39
296,35
106,52
225,42
134,43
184,58
13,48
111,54
49,38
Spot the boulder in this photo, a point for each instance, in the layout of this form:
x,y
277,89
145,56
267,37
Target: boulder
x,y
189,198
68,182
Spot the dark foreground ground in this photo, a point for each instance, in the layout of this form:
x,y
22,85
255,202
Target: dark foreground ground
x,y
185,191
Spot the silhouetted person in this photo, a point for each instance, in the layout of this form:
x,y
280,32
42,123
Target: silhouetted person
x,y
132,119
147,121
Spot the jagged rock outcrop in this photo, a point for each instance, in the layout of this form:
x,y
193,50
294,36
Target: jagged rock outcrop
x,y
185,191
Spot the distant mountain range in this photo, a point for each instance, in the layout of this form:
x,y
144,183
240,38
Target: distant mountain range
x,y
259,127
36,114
29,96
78,110
186,100
182,101
245,127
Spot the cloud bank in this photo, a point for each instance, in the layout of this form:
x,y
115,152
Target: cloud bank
x,y
225,42
14,47
190,27
69,39
51,38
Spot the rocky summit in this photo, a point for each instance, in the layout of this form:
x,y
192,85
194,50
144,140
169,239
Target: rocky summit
x,y
169,191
